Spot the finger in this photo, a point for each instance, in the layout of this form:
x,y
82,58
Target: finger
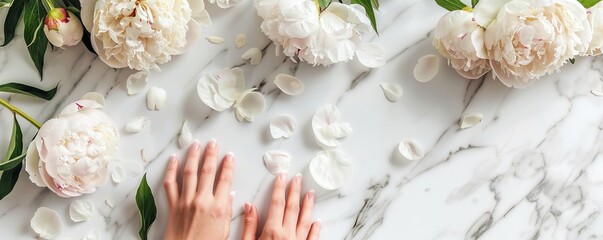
x,y
277,205
189,185
250,226
228,214
170,183
208,170
315,231
225,181
305,216
292,207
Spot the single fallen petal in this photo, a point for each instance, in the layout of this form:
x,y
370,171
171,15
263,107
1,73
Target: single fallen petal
x,y
371,55
156,98
471,120
277,161
81,210
393,91
327,126
254,55
215,39
410,149
597,92
231,83
46,223
427,67
282,126
289,84
186,137
207,90
331,169
92,235
240,40
136,82
117,175
94,96
250,105
137,124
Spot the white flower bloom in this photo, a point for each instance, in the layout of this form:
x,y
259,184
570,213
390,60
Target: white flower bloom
x,y
328,127
72,150
224,3
595,18
461,40
531,38
62,28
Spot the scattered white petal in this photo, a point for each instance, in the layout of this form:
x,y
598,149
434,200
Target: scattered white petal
x,y
240,40
427,67
186,137
143,156
289,84
371,55
597,92
109,203
92,235
471,120
156,98
136,82
282,126
94,96
81,210
46,223
222,92
330,169
117,175
277,161
254,55
410,149
250,105
393,91
327,126
137,124
215,39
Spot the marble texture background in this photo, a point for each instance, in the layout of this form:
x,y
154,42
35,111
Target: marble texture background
x,y
533,169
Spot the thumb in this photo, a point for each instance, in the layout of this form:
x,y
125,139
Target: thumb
x,y
251,222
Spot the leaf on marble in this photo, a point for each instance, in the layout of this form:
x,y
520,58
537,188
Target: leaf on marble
x,y
410,150
186,137
34,36
427,67
81,210
146,207
249,105
94,96
215,39
451,5
328,127
330,169
46,223
156,98
12,20
471,120
277,161
12,162
370,13
136,82
393,91
240,40
371,55
254,55
282,126
92,235
290,85
137,124
28,90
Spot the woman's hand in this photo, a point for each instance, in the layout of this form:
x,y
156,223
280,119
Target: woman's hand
x,y
285,220
199,212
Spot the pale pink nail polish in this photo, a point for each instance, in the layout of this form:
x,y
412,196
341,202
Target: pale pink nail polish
x,y
311,195
212,143
196,145
298,178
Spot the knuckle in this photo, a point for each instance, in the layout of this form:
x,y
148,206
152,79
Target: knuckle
x,y
189,172
168,184
219,211
225,178
292,206
306,225
279,202
249,221
208,170
200,205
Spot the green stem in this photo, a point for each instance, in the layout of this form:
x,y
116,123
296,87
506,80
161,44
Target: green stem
x,y
21,113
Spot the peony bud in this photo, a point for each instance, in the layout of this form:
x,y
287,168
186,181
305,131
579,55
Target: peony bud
x,y
62,28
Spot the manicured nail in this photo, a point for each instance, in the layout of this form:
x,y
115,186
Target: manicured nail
x,y
247,208
212,143
231,156
282,176
172,158
298,178
311,195
317,224
196,145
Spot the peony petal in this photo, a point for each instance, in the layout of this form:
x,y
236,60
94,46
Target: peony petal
x,y
282,126
92,235
81,210
136,82
410,150
32,165
370,55
597,92
254,55
186,137
331,169
215,39
393,91
207,90
426,68
87,13
471,120
231,83
78,106
487,10
240,40
156,98
117,175
137,124
250,105
289,84
277,161
46,223
327,126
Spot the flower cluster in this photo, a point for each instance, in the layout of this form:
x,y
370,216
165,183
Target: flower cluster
x,y
318,37
519,40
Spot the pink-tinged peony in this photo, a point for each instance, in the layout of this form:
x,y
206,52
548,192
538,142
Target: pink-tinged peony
x,y
62,28
595,18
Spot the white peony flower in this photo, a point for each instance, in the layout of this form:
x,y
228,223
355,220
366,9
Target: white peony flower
x,y
71,152
62,28
140,34
531,38
224,3
461,40
595,18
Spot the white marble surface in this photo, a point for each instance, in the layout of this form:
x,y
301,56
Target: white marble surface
x,y
533,169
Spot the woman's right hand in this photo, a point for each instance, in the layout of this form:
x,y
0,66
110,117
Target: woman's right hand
x,y
285,218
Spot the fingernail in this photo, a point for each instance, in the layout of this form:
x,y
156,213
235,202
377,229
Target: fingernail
x,y
247,208
172,158
196,145
298,178
231,154
212,143
282,176
318,223
311,195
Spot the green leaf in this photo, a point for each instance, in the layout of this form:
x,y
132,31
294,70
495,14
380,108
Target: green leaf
x,y
368,7
12,20
15,146
589,3
12,163
6,3
73,3
375,4
474,3
146,207
9,179
323,4
572,60
15,149
451,5
28,90
34,32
